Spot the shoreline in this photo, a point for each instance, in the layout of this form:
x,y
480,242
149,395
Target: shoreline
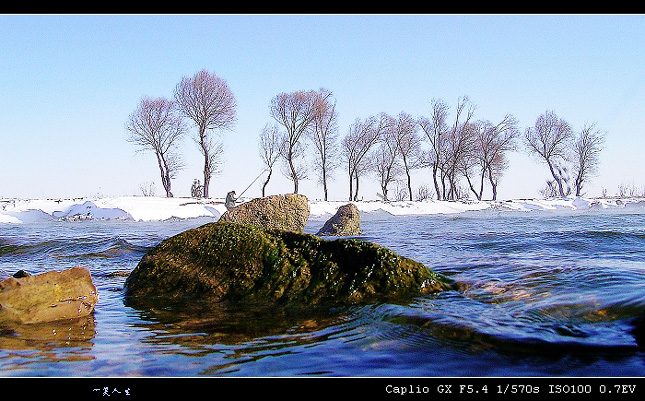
x,y
141,208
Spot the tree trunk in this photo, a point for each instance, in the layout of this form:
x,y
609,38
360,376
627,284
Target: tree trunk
x,y
294,176
578,184
165,175
557,178
493,183
167,182
472,189
436,183
207,172
443,186
481,187
266,182
207,179
407,172
351,188
452,195
356,189
324,180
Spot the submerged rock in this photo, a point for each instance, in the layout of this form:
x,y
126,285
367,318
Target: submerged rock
x,y
346,222
285,212
47,297
638,329
229,262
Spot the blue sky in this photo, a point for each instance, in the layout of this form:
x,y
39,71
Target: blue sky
x,y
69,82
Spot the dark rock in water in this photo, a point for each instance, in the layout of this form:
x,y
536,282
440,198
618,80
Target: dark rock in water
x,y
285,212
20,274
229,262
346,222
638,331
47,297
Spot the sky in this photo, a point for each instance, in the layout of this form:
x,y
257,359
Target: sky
x,y
69,82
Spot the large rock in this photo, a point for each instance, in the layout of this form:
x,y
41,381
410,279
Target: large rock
x,y
47,297
285,212
346,222
224,261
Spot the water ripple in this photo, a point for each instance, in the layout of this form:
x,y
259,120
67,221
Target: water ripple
x,y
539,294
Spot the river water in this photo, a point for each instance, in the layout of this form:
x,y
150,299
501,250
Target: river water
x,y
541,294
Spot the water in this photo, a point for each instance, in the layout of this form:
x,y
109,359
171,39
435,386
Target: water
x,y
542,294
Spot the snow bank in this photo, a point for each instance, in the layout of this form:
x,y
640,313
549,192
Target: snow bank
x,y
428,207
320,208
120,208
139,208
153,208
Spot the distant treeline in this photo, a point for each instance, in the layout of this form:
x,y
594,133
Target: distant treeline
x,y
463,154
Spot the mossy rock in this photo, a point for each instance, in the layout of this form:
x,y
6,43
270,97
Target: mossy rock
x,y
230,262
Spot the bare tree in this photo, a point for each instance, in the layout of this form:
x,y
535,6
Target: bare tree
x,y
295,111
207,100
549,139
156,125
496,168
270,139
471,162
408,144
449,144
324,136
424,192
586,154
401,192
385,162
501,139
436,130
490,145
147,188
458,145
355,147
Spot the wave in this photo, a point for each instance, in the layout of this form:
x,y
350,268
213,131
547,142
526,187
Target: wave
x,y
113,247
62,248
432,321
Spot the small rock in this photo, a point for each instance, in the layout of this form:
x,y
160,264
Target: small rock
x,y
120,273
288,212
346,222
20,274
47,297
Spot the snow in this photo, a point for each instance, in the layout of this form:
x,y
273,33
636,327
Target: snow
x,y
139,208
118,208
318,208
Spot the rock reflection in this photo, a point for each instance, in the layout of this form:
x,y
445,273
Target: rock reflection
x,y
67,340
256,326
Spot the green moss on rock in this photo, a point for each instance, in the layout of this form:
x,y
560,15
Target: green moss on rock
x,y
226,261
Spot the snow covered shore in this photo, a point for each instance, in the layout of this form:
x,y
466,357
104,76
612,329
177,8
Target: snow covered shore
x,y
140,208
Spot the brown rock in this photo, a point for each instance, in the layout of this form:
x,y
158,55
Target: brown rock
x,y
47,297
346,222
288,212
